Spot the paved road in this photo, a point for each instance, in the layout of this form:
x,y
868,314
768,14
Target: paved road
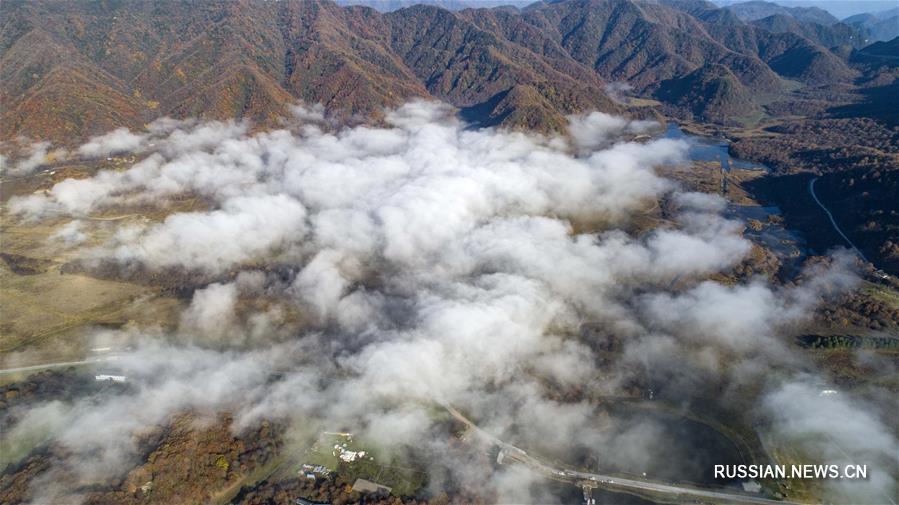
x,y
811,189
658,487
510,452
62,364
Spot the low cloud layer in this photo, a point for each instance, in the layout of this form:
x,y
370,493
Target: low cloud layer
x,y
22,157
410,265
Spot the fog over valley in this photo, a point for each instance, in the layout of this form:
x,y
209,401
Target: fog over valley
x,y
570,294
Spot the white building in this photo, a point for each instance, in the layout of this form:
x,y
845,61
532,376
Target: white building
x,y
110,378
752,486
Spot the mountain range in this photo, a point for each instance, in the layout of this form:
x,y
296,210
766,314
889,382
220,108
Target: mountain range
x,y
72,69
757,9
880,25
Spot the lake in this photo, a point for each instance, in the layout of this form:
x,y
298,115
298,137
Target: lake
x,y
709,149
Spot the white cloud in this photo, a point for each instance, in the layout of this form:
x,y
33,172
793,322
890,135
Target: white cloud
x,y
117,141
70,234
836,429
597,129
28,156
419,262
244,228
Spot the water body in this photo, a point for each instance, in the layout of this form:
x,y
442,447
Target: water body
x,y
687,452
710,149
786,244
691,448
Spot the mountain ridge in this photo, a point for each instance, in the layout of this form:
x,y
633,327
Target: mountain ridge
x,y
71,70
759,9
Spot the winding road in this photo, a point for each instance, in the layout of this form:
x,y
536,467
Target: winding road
x,y
62,364
811,189
510,452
